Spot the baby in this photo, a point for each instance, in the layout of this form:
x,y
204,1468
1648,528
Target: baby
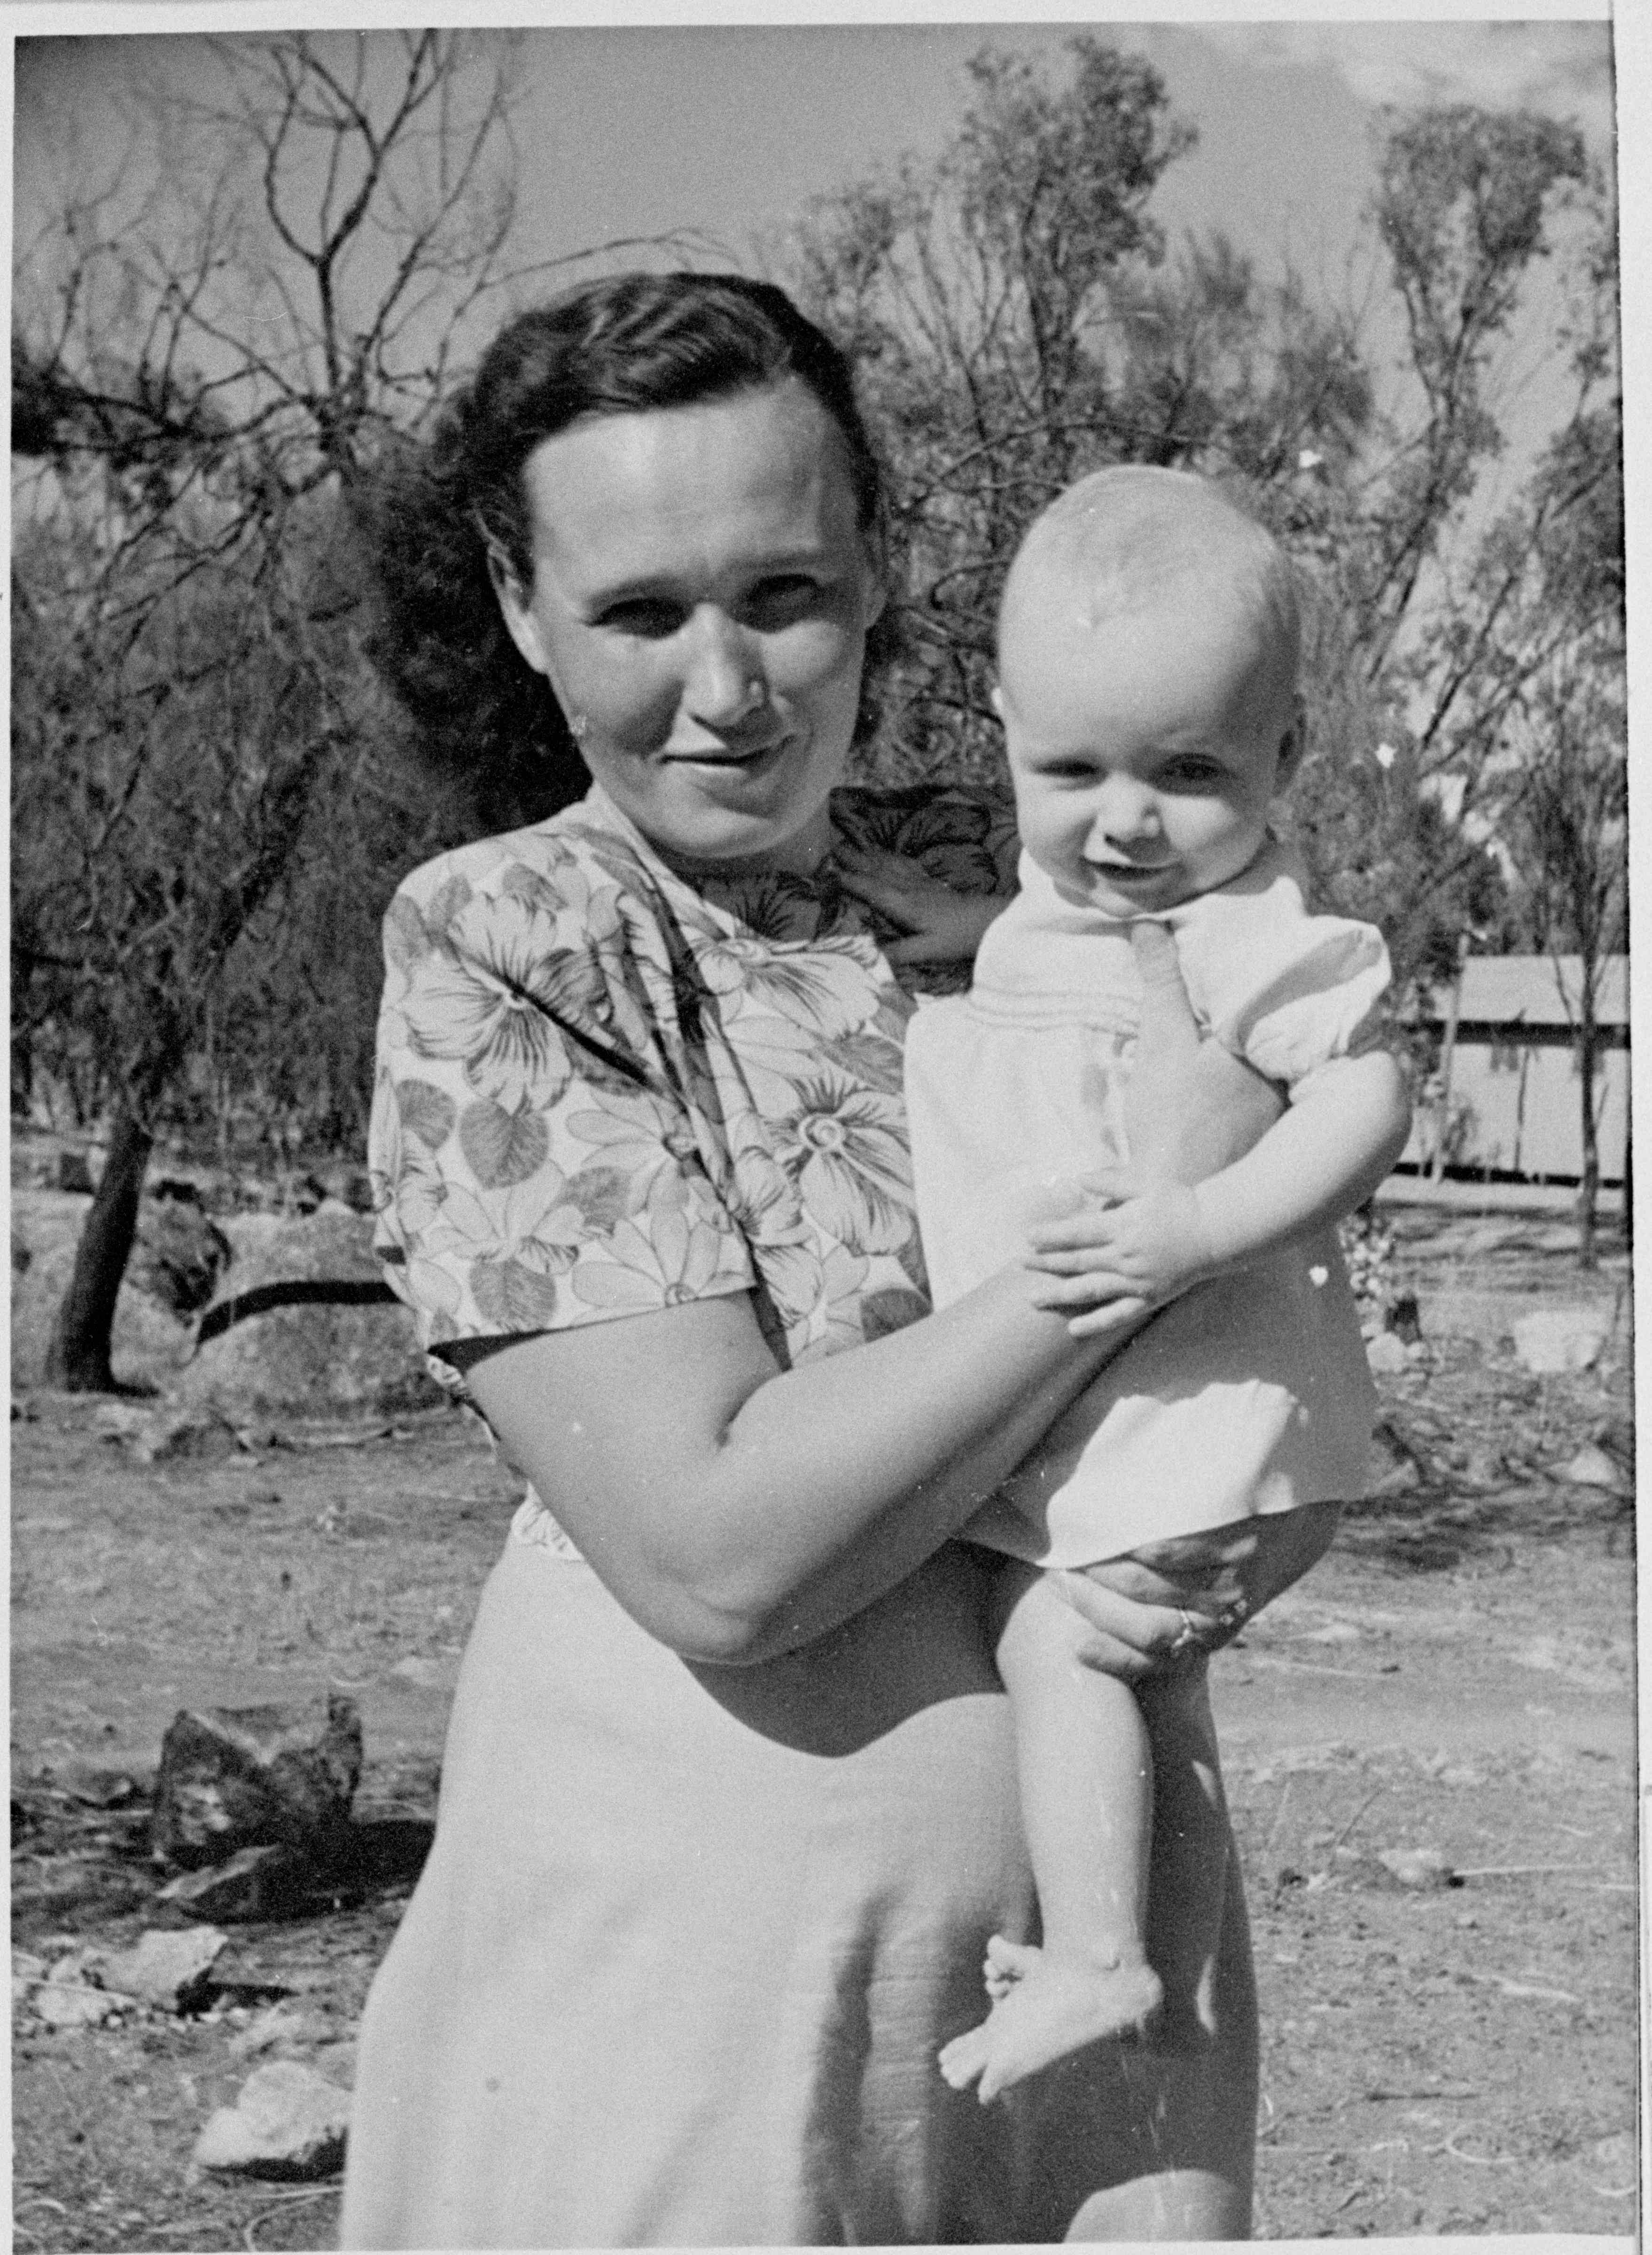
x,y
1148,652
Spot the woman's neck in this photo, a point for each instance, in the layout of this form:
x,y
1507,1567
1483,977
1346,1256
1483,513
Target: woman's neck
x,y
798,856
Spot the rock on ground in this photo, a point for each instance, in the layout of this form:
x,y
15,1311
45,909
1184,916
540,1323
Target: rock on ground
x,y
288,2122
1417,1867
1553,1339
1385,1353
180,1255
313,1359
171,1970
154,1434
310,1358
233,1777
148,1340
76,2004
1592,1467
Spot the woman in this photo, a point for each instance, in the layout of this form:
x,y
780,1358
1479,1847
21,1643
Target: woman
x,y
728,1807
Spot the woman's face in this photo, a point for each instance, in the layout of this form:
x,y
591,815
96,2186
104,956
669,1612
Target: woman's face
x,y
700,599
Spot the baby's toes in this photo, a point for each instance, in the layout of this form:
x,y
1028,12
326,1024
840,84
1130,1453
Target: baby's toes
x,y
963,2059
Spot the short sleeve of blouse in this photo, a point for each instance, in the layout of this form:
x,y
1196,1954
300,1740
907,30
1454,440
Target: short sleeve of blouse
x,y
535,1163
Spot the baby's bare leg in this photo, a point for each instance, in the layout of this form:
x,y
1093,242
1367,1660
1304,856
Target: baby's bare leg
x,y
1228,1572
1087,1796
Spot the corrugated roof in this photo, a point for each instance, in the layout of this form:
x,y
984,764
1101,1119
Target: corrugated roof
x,y
1503,990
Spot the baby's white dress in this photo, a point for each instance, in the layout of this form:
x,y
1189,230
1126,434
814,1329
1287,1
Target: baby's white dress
x,y
1249,1395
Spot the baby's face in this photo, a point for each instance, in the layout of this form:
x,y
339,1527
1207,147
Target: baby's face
x,y
1145,749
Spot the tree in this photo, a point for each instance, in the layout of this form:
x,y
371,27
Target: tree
x,y
1016,326
1463,199
1436,626
1019,322
1568,826
209,349
164,773
1521,666
1477,632
1560,779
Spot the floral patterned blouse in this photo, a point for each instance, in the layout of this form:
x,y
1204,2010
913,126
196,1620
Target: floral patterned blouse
x,y
601,1089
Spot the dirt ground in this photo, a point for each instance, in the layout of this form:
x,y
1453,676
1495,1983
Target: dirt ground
x,y
1458,1675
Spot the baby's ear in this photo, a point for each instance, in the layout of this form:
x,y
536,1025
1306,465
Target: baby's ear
x,y
1292,745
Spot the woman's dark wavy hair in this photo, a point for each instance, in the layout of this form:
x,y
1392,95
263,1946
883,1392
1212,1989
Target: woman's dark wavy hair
x,y
626,344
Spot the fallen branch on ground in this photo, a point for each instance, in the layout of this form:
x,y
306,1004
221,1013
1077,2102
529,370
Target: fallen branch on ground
x,y
300,1292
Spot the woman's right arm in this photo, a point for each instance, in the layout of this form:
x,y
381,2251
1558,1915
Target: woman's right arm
x,y
738,1511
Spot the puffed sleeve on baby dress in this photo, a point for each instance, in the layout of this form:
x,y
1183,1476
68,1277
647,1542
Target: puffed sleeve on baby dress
x,y
1286,990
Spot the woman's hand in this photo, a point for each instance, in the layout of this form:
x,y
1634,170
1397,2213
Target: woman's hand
x,y
1131,1636
1193,1592
941,925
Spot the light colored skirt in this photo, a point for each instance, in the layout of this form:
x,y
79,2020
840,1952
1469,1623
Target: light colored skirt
x,y
689,1939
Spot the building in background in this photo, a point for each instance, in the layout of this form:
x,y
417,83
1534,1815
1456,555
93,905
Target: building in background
x,y
1505,1101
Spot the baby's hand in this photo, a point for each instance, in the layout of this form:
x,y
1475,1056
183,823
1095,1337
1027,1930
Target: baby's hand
x,y
1145,1245
941,925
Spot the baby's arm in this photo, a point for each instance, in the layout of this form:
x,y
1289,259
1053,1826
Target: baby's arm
x,y
1345,1127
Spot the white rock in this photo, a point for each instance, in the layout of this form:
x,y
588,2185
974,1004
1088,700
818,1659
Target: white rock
x,y
1553,1339
83,1964
312,1358
1417,1867
1386,1354
1592,1467
168,1968
1399,1480
74,2005
289,2122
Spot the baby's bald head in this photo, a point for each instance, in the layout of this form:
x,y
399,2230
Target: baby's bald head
x,y
1133,542
1147,675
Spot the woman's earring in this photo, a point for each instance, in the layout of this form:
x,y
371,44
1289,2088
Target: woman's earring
x,y
579,726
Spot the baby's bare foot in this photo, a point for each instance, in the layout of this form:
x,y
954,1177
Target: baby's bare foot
x,y
1046,2007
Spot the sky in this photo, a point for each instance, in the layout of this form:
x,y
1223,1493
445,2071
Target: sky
x,y
625,129
737,126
